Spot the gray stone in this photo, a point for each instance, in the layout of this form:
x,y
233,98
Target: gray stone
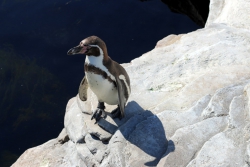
x,y
247,93
63,137
188,140
93,129
232,13
118,142
85,155
94,144
173,120
247,155
237,112
74,123
96,147
50,153
131,124
225,96
224,149
115,153
147,143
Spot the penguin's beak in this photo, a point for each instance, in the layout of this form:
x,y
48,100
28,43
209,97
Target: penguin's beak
x,y
78,50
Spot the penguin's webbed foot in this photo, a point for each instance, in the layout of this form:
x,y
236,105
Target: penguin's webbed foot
x,y
99,112
116,113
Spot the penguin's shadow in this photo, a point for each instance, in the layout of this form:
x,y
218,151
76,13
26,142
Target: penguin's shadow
x,y
144,130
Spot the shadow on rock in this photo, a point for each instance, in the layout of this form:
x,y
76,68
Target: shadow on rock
x,y
143,130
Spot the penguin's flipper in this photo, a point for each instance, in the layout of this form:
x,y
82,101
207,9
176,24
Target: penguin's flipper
x,y
83,89
121,98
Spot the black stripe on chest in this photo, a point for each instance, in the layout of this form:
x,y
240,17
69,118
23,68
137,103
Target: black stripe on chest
x,y
98,71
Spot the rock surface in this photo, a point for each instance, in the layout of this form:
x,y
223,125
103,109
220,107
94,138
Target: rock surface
x,y
189,105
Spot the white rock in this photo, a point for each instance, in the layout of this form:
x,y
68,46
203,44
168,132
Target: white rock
x,y
96,147
238,112
85,155
173,120
225,96
63,136
50,153
188,140
233,13
224,149
74,123
146,144
189,104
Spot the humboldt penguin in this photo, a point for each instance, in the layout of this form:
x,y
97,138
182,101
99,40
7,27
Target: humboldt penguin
x,y
106,78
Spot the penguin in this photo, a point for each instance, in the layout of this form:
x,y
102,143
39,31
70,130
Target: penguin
x,y
106,78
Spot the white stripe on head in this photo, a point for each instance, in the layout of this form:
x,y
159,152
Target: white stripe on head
x,y
101,51
122,77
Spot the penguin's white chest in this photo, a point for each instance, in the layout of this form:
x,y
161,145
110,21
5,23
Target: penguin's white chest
x,y
103,88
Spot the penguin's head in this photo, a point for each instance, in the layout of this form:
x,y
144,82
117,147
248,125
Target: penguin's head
x,y
91,46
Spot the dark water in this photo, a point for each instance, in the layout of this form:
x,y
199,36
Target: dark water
x,y
38,78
